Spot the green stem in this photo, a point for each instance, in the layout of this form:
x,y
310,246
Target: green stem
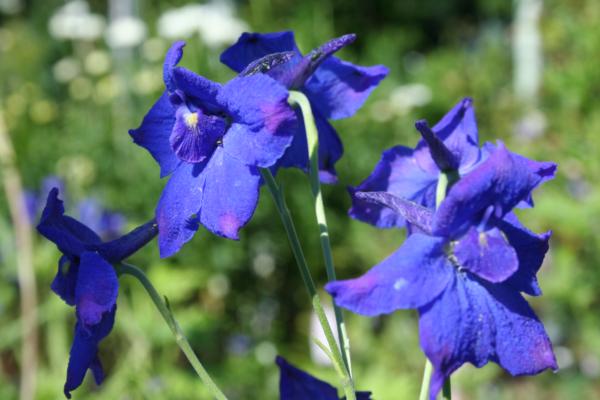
x,y
424,395
447,390
290,229
167,315
312,136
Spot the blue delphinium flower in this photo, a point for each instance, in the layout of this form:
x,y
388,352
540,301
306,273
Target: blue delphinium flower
x,y
211,139
87,281
463,270
295,384
335,88
107,224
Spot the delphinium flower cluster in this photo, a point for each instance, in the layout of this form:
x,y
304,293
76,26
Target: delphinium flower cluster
x,y
464,265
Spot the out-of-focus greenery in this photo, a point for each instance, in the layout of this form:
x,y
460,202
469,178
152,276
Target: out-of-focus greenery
x,y
242,302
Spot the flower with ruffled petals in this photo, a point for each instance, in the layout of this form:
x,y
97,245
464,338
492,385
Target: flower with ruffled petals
x,y
87,281
295,384
336,88
463,269
212,139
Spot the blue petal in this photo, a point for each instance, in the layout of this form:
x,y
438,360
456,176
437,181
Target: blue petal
x,y
252,46
295,384
96,290
458,130
531,249
196,89
196,135
477,322
487,254
176,212
172,58
123,247
397,173
501,181
230,195
263,124
84,352
65,281
153,134
70,236
411,277
339,88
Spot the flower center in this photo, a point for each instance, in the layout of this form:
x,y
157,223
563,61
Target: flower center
x,y
191,120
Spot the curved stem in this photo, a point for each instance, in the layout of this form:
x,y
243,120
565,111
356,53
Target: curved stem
x,y
165,311
312,136
24,259
290,229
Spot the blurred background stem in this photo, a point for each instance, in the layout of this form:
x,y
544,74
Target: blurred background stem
x,y
15,197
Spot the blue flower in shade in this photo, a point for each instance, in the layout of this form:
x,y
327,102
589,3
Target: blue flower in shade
x,y
87,281
451,145
295,384
464,269
335,88
212,139
108,224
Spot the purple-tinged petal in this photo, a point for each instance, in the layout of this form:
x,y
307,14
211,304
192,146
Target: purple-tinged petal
x,y
196,88
65,281
458,130
531,249
501,181
267,63
172,58
487,254
70,236
121,248
411,277
196,135
153,134
295,384
477,322
339,88
263,124
441,155
413,213
96,289
177,209
84,352
396,173
252,46
230,195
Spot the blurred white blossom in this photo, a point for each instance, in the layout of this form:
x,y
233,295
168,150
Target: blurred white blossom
x,y
126,32
66,69
97,62
74,21
215,22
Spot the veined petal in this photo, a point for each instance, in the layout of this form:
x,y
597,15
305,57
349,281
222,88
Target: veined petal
x,y
338,88
153,134
96,289
230,195
295,384
172,58
487,254
398,174
252,46
177,209
502,181
411,277
477,322
196,135
263,123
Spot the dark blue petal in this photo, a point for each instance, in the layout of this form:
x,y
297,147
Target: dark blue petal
x,y
413,213
230,195
444,159
171,60
65,281
339,88
176,212
96,289
153,134
397,173
123,247
196,89
196,135
477,322
458,130
84,352
295,384
70,236
487,254
252,46
531,249
411,277
265,64
263,124
501,181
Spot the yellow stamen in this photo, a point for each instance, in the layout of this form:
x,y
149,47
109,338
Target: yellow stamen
x,y
191,120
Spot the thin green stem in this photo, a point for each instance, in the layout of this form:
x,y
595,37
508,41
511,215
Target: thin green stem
x,y
290,229
312,136
167,315
424,395
447,390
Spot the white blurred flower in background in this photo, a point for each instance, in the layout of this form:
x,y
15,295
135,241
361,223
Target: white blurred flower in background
x,y
74,21
66,69
215,22
126,32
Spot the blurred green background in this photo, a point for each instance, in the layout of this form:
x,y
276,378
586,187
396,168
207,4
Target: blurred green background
x,y
71,88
